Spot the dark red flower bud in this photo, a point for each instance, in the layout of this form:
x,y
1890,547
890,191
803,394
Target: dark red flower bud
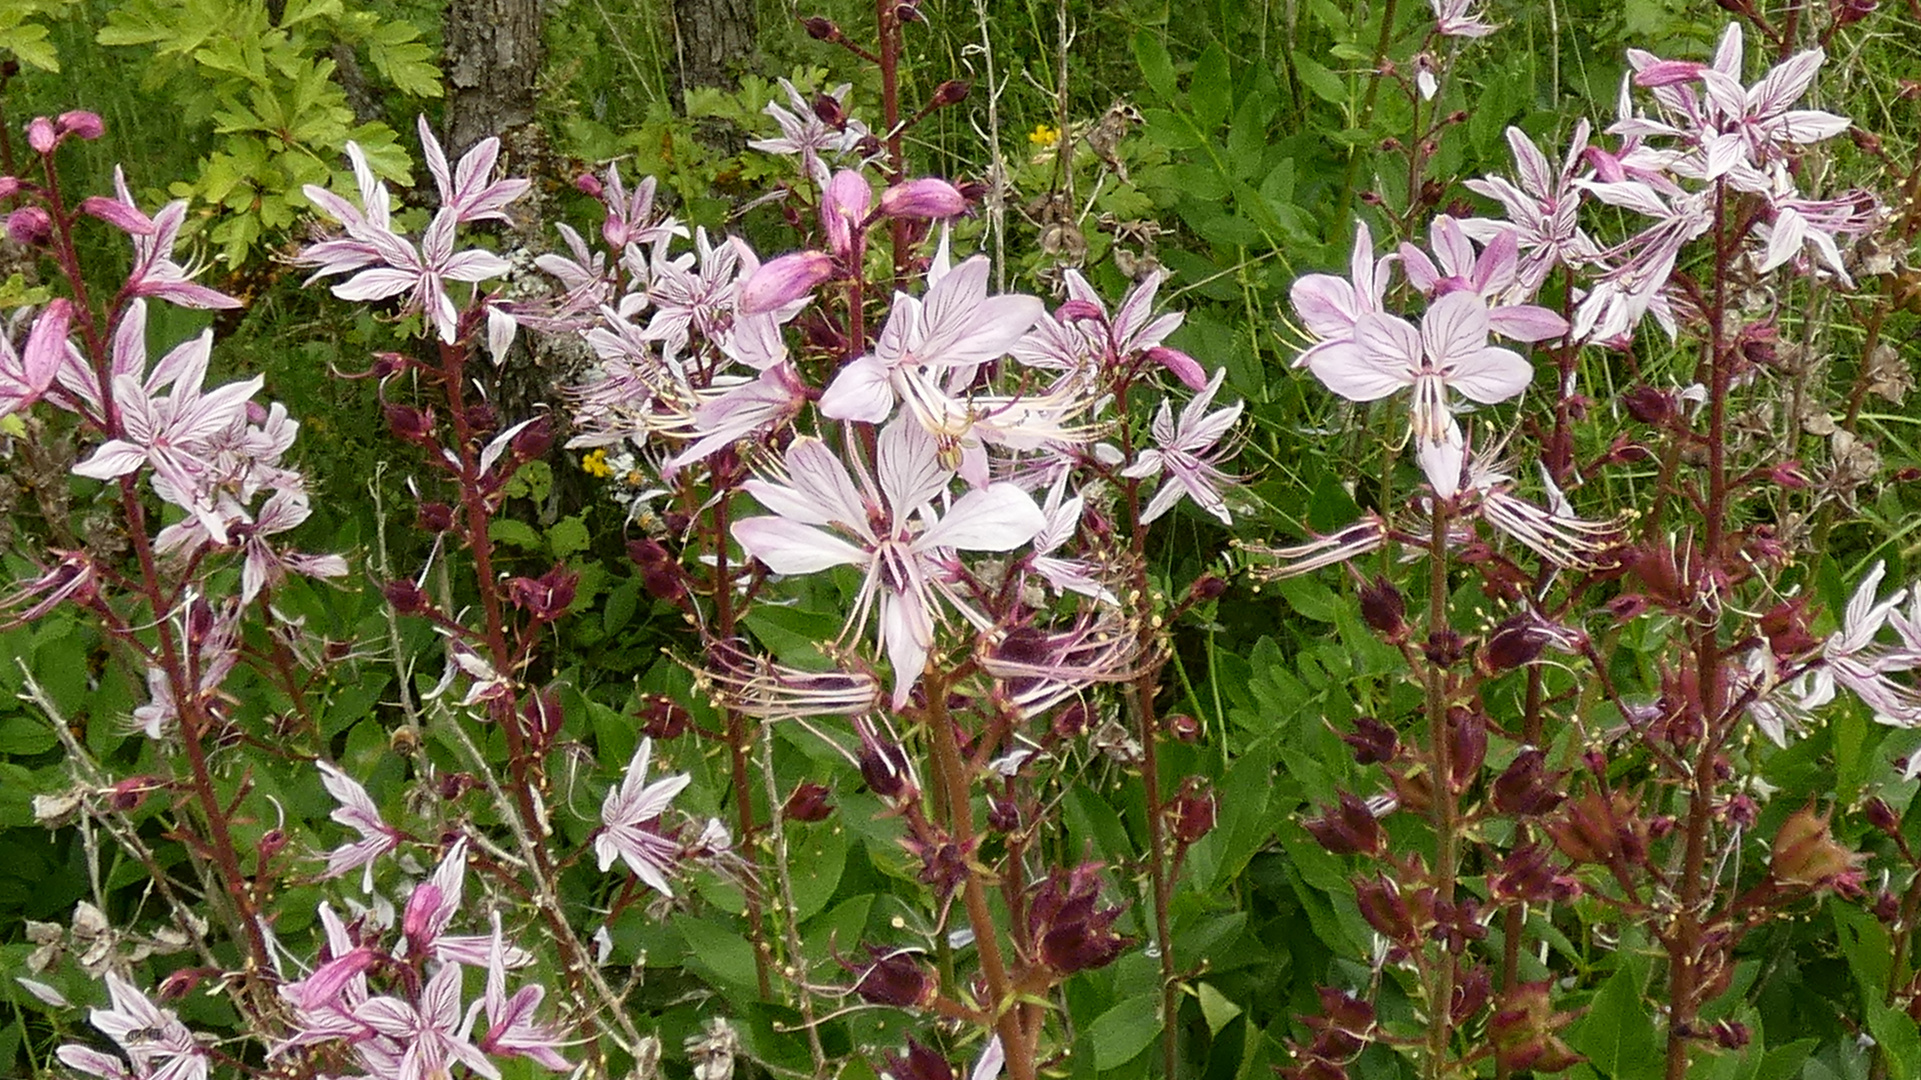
x,y
541,716
1072,932
546,597
127,795
1207,587
821,29
1526,876
649,554
1444,648
1730,1034
918,1063
664,583
884,766
1003,815
534,440
181,983
1192,812
1887,907
1742,812
434,517
1182,727
483,418
1384,909
896,977
406,597
1525,788
1649,406
951,92
828,109
1471,994
589,185
1882,816
1516,642
411,425
663,718
1373,741
808,802
1347,828
1467,746
272,842
1384,610
1073,721
455,784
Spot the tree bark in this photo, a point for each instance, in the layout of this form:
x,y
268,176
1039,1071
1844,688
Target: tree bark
x,y
713,39
493,68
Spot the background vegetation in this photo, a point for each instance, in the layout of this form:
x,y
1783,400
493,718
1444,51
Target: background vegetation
x,y
1233,143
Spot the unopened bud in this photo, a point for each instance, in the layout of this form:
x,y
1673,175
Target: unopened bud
x,y
410,424
81,124
29,226
1648,405
534,440
895,977
541,716
808,803
1881,816
1182,727
1347,828
782,281
434,517
41,135
1003,815
1373,741
951,92
821,29
272,842
588,184
1207,587
406,597
663,718
1384,610
926,198
1192,811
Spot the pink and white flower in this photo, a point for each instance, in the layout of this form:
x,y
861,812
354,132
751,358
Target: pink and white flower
x,y
630,823
888,529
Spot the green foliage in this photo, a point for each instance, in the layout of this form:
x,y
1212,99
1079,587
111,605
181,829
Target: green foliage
x,y
26,38
271,94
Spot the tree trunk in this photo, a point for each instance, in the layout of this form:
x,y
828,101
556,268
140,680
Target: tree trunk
x,y
493,68
713,39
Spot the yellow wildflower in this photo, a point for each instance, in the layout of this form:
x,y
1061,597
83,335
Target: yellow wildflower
x,y
595,464
1042,135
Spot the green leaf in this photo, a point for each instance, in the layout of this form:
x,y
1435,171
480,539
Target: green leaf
x,y
1310,598
1617,1035
25,736
1215,1007
1320,82
622,602
568,536
725,952
1156,66
518,533
1211,90
1122,1032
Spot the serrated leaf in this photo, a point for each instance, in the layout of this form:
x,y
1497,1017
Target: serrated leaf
x,y
1211,90
1156,66
518,533
568,536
